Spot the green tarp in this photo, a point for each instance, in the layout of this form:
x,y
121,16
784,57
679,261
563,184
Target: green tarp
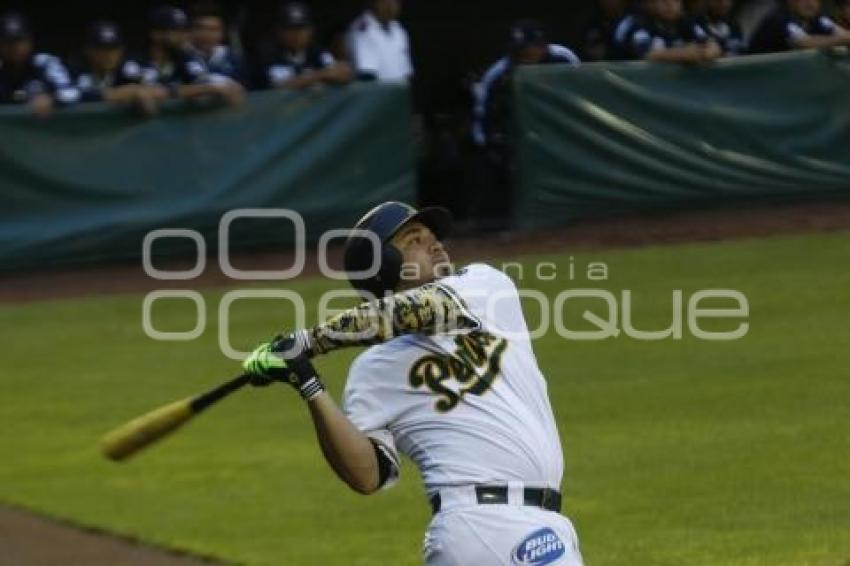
x,y
609,137
91,181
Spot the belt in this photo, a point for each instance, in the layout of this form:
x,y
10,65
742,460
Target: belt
x,y
549,499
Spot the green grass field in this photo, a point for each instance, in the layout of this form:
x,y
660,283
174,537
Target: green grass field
x,y
678,452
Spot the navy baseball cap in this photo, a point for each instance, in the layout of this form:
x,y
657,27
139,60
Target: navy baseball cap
x,y
525,33
13,27
104,34
168,18
295,15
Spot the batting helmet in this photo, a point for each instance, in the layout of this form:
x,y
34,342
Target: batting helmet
x,y
384,221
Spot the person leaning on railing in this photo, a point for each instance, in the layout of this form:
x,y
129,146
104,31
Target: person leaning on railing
x,y
661,32
171,61
208,42
841,13
295,60
718,23
798,24
106,74
39,80
597,34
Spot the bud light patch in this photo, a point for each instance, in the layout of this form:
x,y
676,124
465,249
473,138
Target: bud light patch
x,y
540,547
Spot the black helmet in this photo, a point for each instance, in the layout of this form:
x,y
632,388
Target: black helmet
x,y
384,221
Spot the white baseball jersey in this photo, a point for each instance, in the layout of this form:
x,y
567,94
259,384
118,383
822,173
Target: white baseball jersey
x,y
378,50
467,408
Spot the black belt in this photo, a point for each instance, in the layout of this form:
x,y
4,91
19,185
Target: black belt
x,y
546,498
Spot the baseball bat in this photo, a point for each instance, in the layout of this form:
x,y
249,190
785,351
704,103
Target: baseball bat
x,y
133,436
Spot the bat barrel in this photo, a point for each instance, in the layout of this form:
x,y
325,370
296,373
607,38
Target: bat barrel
x,y
138,433
133,436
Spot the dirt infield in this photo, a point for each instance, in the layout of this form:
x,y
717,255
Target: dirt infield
x,y
27,539
30,540
625,231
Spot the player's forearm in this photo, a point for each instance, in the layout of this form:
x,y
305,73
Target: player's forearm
x,y
425,310
348,451
125,94
194,90
822,41
687,54
301,81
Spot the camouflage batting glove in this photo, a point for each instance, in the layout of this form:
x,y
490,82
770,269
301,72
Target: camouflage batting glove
x,y
270,362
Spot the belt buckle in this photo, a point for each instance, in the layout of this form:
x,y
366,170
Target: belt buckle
x,y
544,498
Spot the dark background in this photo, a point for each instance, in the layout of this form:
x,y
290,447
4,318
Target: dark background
x,y
450,39
453,42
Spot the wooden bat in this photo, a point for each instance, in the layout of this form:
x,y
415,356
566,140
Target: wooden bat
x,y
133,436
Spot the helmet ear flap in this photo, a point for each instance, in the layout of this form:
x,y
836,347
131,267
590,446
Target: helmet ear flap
x,y
390,272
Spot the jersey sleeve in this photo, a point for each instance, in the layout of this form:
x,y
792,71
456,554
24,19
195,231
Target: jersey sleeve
x,y
58,80
132,72
482,95
794,32
562,54
326,59
367,408
696,32
640,43
363,53
489,297
195,72
826,25
89,92
278,74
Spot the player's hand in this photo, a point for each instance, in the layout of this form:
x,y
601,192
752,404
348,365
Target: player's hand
x,y
711,51
146,101
42,105
339,73
231,92
283,359
265,366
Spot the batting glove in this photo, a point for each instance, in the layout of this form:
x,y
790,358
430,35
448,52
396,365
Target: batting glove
x,y
272,362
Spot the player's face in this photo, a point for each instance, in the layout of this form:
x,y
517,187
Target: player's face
x,y
530,55
613,8
424,257
207,32
719,8
174,38
296,39
16,52
105,59
387,10
806,9
844,11
667,10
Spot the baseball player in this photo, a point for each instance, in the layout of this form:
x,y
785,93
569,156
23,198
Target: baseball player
x,y
107,75
797,24
296,61
450,380
39,80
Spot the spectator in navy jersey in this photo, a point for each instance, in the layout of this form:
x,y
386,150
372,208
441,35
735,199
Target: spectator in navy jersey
x,y
797,24
295,61
208,32
39,80
718,23
106,74
665,34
